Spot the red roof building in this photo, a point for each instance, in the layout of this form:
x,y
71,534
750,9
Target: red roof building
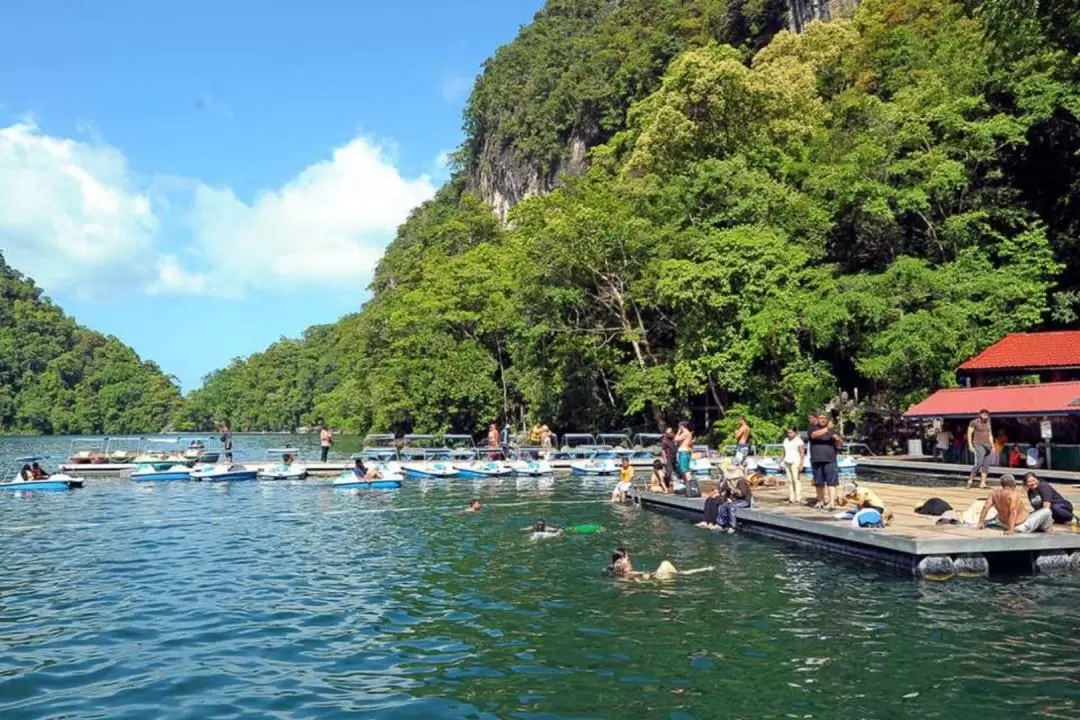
x,y
1044,400
1054,356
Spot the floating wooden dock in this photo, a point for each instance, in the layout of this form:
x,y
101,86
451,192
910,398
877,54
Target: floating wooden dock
x,y
911,544
926,466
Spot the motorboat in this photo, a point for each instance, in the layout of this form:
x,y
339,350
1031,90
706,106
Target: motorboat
x,y
56,482
529,462
594,466
197,453
458,448
619,443
287,469
380,476
429,469
148,472
87,451
161,452
122,450
379,448
223,473
482,468
576,446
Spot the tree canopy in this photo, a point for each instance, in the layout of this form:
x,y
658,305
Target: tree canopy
x,y
58,377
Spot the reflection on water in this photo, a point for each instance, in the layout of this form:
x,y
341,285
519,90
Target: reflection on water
x,y
294,600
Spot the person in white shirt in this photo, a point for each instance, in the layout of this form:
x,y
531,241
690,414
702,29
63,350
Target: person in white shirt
x,y
794,452
944,440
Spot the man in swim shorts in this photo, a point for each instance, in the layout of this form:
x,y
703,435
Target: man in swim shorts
x,y
684,439
823,442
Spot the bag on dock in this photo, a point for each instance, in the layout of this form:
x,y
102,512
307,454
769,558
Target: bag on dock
x,y
693,490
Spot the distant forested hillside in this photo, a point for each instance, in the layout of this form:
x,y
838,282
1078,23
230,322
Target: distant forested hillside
x,y
58,377
762,220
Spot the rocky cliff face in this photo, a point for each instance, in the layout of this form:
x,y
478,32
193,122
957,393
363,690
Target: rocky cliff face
x,y
502,175
803,12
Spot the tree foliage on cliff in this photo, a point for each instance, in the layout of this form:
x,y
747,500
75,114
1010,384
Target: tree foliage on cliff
x,y
57,377
857,206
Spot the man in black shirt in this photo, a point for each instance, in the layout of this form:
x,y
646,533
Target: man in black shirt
x,y
822,443
667,451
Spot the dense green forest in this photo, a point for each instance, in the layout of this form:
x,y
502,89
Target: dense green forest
x,y
58,377
767,220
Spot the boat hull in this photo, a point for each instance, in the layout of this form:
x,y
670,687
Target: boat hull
x,y
593,467
482,470
160,476
42,485
368,485
432,470
531,468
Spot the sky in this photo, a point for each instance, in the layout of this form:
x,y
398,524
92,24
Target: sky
x,y
203,178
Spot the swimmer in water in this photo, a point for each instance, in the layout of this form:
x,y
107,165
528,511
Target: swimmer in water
x,y
540,530
474,506
622,568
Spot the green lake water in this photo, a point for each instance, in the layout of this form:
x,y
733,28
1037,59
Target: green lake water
x,y
257,600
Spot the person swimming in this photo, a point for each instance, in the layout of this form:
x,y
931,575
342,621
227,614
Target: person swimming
x,y
541,530
621,568
474,506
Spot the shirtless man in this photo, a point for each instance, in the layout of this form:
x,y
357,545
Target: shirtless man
x,y
684,439
1010,509
742,442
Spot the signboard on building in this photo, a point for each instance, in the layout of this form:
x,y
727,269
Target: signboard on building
x,y
1045,430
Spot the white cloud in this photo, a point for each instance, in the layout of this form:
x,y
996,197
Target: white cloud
x,y
73,217
329,224
70,214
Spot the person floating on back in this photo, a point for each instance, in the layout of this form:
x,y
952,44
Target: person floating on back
x,y
622,568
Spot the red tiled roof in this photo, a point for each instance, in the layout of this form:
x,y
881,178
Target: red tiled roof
x,y
1061,398
1035,351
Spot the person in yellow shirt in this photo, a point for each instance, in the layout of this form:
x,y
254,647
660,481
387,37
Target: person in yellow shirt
x,y
864,497
626,475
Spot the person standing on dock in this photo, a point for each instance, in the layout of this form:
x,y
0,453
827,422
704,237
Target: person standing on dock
x,y
980,441
1010,509
326,439
226,439
794,457
667,454
742,442
684,439
823,443
942,443
1042,494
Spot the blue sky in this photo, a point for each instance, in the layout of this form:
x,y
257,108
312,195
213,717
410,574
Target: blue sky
x,y
202,178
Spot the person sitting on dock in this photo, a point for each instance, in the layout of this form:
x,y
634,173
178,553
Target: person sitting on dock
x,y
1010,509
622,568
711,509
37,472
864,497
735,494
1042,494
656,479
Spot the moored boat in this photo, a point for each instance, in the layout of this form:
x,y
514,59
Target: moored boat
x,y
429,469
380,476
287,469
87,451
223,473
594,466
482,468
122,450
147,472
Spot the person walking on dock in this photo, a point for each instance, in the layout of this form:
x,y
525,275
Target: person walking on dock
x,y
980,441
742,442
1010,509
823,443
326,439
794,457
